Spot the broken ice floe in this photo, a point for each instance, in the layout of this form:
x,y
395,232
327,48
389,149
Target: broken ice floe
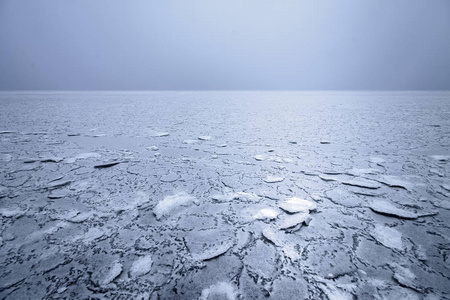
x,y
220,290
204,138
294,205
83,156
388,237
106,165
3,191
173,204
260,157
106,274
394,181
446,187
362,183
440,157
152,148
387,208
376,160
141,266
57,194
294,222
53,159
209,244
273,179
282,240
244,196
11,213
188,142
153,133
403,275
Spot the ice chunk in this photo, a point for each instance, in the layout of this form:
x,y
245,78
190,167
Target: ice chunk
x,y
52,159
172,204
107,274
441,157
204,138
260,157
57,194
387,208
190,142
225,198
362,183
11,213
209,244
446,187
273,179
266,213
294,222
294,205
333,292
3,192
388,237
220,290
83,156
403,275
376,160
394,181
141,266
107,165
154,133
213,251
153,148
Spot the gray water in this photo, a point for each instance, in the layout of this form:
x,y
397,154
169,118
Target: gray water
x,y
239,195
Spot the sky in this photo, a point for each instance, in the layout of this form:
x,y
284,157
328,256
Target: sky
x,y
225,45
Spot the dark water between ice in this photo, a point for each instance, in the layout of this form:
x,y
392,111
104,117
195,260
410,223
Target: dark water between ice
x,y
241,195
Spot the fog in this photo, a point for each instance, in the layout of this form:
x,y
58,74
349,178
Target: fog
x,y
177,45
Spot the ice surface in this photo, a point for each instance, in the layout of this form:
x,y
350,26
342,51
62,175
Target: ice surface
x,y
256,208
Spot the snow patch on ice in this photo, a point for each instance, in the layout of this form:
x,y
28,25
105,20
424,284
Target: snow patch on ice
x,y
220,290
266,214
294,205
172,204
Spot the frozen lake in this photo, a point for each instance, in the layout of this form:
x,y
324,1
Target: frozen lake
x,y
225,195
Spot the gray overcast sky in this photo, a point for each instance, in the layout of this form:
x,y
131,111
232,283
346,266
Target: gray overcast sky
x,y
228,44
